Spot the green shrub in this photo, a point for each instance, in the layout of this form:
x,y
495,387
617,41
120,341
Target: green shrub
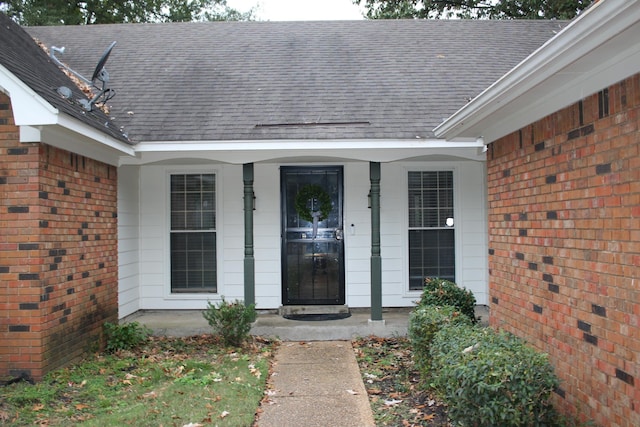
x,y
231,320
424,322
491,378
125,336
440,292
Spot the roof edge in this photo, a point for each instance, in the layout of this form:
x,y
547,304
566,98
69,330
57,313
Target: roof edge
x,y
29,109
597,25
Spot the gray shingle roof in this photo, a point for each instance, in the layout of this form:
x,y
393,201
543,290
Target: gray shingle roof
x,y
393,79
27,61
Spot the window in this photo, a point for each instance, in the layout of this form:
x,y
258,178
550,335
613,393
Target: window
x,y
431,232
193,233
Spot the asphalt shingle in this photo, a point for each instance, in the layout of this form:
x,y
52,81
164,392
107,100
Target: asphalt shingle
x,y
394,79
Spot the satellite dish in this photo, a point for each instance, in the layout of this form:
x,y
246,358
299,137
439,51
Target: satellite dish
x,y
100,74
103,60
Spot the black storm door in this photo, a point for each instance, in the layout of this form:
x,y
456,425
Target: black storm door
x,y
312,236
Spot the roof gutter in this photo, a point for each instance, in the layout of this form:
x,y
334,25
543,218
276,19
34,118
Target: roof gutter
x,y
600,23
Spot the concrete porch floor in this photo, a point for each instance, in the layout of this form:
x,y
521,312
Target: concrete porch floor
x,y
271,324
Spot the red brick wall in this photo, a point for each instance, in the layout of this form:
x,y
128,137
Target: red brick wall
x,y
564,248
58,253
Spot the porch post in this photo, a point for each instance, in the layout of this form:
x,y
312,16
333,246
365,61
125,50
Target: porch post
x,y
376,261
249,261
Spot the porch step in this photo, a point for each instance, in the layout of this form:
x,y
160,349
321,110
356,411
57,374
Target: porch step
x,y
289,310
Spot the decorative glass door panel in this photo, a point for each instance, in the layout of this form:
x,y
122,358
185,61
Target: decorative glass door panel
x,y
312,245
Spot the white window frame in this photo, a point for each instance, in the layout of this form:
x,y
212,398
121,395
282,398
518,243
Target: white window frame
x,y
168,294
457,216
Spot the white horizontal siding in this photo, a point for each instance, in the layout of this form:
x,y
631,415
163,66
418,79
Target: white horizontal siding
x,y
128,241
153,268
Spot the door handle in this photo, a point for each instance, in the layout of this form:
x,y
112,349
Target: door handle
x,y
339,233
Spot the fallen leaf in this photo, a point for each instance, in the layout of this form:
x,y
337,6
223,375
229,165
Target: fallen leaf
x,y
81,406
193,425
224,414
352,392
428,417
392,402
150,395
37,407
374,391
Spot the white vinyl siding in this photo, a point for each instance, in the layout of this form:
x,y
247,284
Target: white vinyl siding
x,y
128,240
153,280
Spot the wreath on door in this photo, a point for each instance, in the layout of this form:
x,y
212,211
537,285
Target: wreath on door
x,y
307,194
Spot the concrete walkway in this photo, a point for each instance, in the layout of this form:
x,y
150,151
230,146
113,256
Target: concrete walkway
x,y
179,323
316,384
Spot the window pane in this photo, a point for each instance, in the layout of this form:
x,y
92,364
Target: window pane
x,y
193,183
177,183
431,218
177,202
193,204
193,262
209,183
178,221
431,254
194,201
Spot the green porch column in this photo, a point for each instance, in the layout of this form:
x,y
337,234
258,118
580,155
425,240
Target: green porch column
x,y
376,261
249,261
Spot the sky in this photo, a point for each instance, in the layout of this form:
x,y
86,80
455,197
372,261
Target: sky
x,y
299,10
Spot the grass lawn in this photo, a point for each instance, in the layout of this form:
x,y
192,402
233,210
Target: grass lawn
x,y
165,382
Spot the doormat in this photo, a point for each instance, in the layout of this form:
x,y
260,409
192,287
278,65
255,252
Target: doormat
x,y
317,317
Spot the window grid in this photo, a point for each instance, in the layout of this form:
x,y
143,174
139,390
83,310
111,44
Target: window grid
x,y
431,240
193,233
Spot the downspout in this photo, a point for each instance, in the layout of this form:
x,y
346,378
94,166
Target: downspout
x,y
376,261
249,260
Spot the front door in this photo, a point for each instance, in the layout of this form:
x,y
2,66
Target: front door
x,y
312,244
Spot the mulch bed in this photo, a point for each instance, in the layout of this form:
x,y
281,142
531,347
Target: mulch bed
x,y
393,384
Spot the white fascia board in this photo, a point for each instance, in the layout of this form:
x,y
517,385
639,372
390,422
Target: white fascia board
x,y
299,144
94,135
599,25
29,108
65,139
239,152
